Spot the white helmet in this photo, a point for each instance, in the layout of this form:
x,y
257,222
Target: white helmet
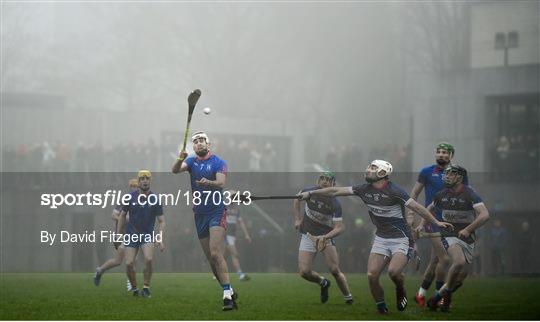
x,y
198,135
382,166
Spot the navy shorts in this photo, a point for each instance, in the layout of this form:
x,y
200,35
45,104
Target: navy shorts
x,y
203,223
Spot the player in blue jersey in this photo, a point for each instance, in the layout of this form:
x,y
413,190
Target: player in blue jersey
x,y
393,244
120,249
208,175
460,206
234,220
431,179
144,209
321,217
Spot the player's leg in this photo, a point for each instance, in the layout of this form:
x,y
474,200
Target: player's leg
x,y
395,271
231,249
306,253
148,254
443,261
131,254
217,249
205,245
332,259
428,277
460,256
376,264
111,263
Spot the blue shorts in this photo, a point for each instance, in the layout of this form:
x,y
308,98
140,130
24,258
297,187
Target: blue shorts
x,y
203,223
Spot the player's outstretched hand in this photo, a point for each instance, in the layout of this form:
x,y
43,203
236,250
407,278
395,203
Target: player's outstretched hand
x,y
303,195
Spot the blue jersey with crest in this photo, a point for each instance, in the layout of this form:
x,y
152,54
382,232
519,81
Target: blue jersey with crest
x,y
142,216
207,167
386,208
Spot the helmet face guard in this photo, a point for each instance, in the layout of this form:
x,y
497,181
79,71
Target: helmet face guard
x,y
454,174
328,176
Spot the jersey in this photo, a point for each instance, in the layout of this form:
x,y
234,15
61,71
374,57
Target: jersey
x,y
386,208
457,207
142,216
207,167
233,216
320,214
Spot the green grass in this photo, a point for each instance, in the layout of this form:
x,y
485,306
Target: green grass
x,y
194,296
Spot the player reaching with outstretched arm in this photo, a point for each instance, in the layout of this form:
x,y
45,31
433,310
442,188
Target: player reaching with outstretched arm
x,y
431,179
208,176
118,246
143,212
392,245
464,209
322,219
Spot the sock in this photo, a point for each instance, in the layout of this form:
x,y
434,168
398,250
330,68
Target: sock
x,y
227,291
347,297
99,271
438,285
146,286
323,282
438,296
422,291
381,306
457,287
426,284
240,273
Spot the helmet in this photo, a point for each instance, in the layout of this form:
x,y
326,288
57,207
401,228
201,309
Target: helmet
x,y
446,146
454,168
327,174
144,173
457,169
198,135
382,166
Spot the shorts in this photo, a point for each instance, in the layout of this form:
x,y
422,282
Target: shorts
x,y
203,223
307,245
230,240
389,246
468,249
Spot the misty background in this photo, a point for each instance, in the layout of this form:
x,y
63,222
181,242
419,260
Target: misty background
x,y
293,87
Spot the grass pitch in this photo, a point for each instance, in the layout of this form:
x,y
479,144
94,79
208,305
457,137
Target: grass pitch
x,y
195,296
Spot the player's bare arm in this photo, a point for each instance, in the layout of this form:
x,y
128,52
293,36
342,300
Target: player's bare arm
x,y
415,192
339,227
244,229
328,192
161,231
221,178
179,165
482,216
424,213
122,222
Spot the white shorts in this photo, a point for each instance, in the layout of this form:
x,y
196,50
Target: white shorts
x,y
307,245
389,246
230,240
468,249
